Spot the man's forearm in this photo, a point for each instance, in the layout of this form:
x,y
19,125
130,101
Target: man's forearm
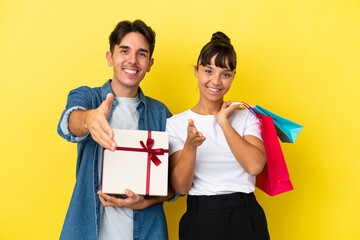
x,y
77,123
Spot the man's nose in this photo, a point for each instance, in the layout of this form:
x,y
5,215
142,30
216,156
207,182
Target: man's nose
x,y
132,58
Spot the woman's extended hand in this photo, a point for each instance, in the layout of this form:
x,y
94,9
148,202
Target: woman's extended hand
x,y
194,137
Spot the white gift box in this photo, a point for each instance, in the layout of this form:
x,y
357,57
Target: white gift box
x,y
133,164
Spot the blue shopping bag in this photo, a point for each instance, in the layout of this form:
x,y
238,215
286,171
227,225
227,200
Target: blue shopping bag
x,y
286,130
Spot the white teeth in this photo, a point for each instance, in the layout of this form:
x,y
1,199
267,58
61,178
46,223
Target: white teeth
x,y
130,71
214,89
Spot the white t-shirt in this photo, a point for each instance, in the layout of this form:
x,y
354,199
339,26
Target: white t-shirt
x,y
117,223
216,169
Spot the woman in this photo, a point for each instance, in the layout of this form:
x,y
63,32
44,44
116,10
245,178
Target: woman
x,y
216,152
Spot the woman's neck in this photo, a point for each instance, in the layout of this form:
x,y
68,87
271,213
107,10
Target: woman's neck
x,y
207,108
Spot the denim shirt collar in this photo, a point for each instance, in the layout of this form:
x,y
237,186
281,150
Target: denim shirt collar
x,y
106,88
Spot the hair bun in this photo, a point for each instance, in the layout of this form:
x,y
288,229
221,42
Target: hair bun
x,y
220,36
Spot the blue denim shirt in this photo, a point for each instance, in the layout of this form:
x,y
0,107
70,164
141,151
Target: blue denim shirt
x,y
83,217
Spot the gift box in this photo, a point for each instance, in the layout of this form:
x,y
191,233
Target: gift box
x,y
139,163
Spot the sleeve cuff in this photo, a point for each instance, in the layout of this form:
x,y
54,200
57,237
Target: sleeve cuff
x,y
64,125
177,195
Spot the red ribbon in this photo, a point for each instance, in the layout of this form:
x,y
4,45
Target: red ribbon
x,y
151,156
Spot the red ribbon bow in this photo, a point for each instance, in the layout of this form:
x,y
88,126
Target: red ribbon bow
x,y
152,152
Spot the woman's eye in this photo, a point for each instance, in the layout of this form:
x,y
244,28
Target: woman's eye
x,y
208,71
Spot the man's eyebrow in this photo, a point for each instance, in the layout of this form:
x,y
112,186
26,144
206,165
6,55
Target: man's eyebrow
x,y
143,50
127,47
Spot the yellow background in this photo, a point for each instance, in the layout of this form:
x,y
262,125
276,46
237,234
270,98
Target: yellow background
x,y
299,59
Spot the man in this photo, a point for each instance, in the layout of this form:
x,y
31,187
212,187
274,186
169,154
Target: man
x,y
88,119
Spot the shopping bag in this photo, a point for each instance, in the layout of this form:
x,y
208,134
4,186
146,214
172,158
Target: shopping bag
x,y
286,130
274,179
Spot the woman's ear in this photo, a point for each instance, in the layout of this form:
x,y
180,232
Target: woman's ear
x,y
196,71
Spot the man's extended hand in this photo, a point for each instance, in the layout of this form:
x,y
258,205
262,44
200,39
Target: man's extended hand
x,y
99,127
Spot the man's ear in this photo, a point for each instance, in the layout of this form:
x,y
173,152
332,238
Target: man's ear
x,y
151,62
109,58
196,71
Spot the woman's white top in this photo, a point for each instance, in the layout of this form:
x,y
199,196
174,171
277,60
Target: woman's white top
x,y
216,169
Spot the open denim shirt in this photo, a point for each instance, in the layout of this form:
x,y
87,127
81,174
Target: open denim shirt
x,y
83,217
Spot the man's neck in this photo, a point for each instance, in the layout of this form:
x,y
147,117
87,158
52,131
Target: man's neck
x,y
123,91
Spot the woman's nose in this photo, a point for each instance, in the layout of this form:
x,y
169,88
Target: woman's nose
x,y
216,80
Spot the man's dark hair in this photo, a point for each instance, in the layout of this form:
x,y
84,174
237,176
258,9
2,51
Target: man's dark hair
x,y
125,27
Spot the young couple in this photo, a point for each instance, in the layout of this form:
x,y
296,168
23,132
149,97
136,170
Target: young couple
x,y
215,150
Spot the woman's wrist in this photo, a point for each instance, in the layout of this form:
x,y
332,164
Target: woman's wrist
x,y
223,122
189,147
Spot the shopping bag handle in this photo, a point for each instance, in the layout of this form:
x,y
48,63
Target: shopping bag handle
x,y
250,108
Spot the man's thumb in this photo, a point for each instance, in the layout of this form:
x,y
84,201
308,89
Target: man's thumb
x,y
106,105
